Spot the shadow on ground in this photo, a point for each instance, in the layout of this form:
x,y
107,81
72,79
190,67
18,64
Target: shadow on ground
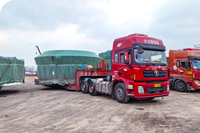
x,y
4,93
55,89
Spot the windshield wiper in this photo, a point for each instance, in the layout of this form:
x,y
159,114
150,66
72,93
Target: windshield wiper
x,y
163,64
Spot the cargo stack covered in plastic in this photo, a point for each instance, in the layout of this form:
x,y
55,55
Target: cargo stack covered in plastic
x,y
107,57
11,70
59,66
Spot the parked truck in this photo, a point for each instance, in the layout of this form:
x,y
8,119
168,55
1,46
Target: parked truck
x,y
138,69
184,69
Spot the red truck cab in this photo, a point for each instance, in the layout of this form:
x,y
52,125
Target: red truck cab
x,y
139,65
184,69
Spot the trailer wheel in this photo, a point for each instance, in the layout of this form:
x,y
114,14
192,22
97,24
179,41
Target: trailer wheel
x,y
180,86
120,93
84,86
92,89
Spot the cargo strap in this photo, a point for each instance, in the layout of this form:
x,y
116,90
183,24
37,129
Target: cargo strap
x,y
59,69
6,69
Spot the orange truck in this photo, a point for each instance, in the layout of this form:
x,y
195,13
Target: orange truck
x,y
184,68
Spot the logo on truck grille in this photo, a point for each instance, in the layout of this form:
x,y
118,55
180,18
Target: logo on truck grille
x,y
156,73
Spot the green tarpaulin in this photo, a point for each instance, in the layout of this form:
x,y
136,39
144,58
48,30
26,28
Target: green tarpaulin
x,y
107,57
59,66
11,70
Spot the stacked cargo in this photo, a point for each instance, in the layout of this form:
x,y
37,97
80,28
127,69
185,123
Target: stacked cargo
x,y
11,70
59,66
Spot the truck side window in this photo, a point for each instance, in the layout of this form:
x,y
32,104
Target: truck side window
x,y
122,58
129,57
183,64
178,63
116,58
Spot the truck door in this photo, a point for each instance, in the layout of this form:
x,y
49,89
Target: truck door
x,y
185,71
124,69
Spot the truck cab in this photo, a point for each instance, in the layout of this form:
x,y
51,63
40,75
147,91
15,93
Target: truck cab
x,y
139,68
184,69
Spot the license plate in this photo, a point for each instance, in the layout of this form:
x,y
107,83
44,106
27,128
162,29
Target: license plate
x,y
157,85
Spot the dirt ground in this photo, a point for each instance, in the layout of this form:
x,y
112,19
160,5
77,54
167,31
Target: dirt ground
x,y
32,108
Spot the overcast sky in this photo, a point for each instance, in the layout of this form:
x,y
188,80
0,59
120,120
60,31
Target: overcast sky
x,y
93,25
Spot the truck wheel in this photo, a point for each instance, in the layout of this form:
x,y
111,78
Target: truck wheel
x,y
84,86
92,89
180,86
120,93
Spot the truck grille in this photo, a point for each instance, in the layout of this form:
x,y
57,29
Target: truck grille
x,y
155,90
150,74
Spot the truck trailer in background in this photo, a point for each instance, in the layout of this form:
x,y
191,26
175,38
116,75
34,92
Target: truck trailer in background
x,y
184,69
138,69
11,70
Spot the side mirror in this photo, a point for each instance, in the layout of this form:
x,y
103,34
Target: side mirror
x,y
126,62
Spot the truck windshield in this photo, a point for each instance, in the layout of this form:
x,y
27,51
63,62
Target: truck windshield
x,y
196,64
149,56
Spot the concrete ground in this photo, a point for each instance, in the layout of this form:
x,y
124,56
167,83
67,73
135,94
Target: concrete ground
x,y
32,108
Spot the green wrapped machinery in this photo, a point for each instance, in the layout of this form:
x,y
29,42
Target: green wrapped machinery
x,y
107,57
59,66
11,70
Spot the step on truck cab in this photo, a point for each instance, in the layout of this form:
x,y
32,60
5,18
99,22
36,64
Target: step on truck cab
x,y
139,70
184,69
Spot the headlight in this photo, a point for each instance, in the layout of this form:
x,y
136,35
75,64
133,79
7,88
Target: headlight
x,y
130,87
140,89
197,83
168,87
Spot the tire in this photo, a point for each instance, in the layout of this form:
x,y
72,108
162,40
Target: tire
x,y
120,93
180,86
84,86
92,89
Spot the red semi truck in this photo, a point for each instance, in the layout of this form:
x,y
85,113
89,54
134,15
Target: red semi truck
x,y
139,70
184,69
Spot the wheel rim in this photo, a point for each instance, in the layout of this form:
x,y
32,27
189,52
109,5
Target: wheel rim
x,y
119,93
83,87
181,86
91,88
